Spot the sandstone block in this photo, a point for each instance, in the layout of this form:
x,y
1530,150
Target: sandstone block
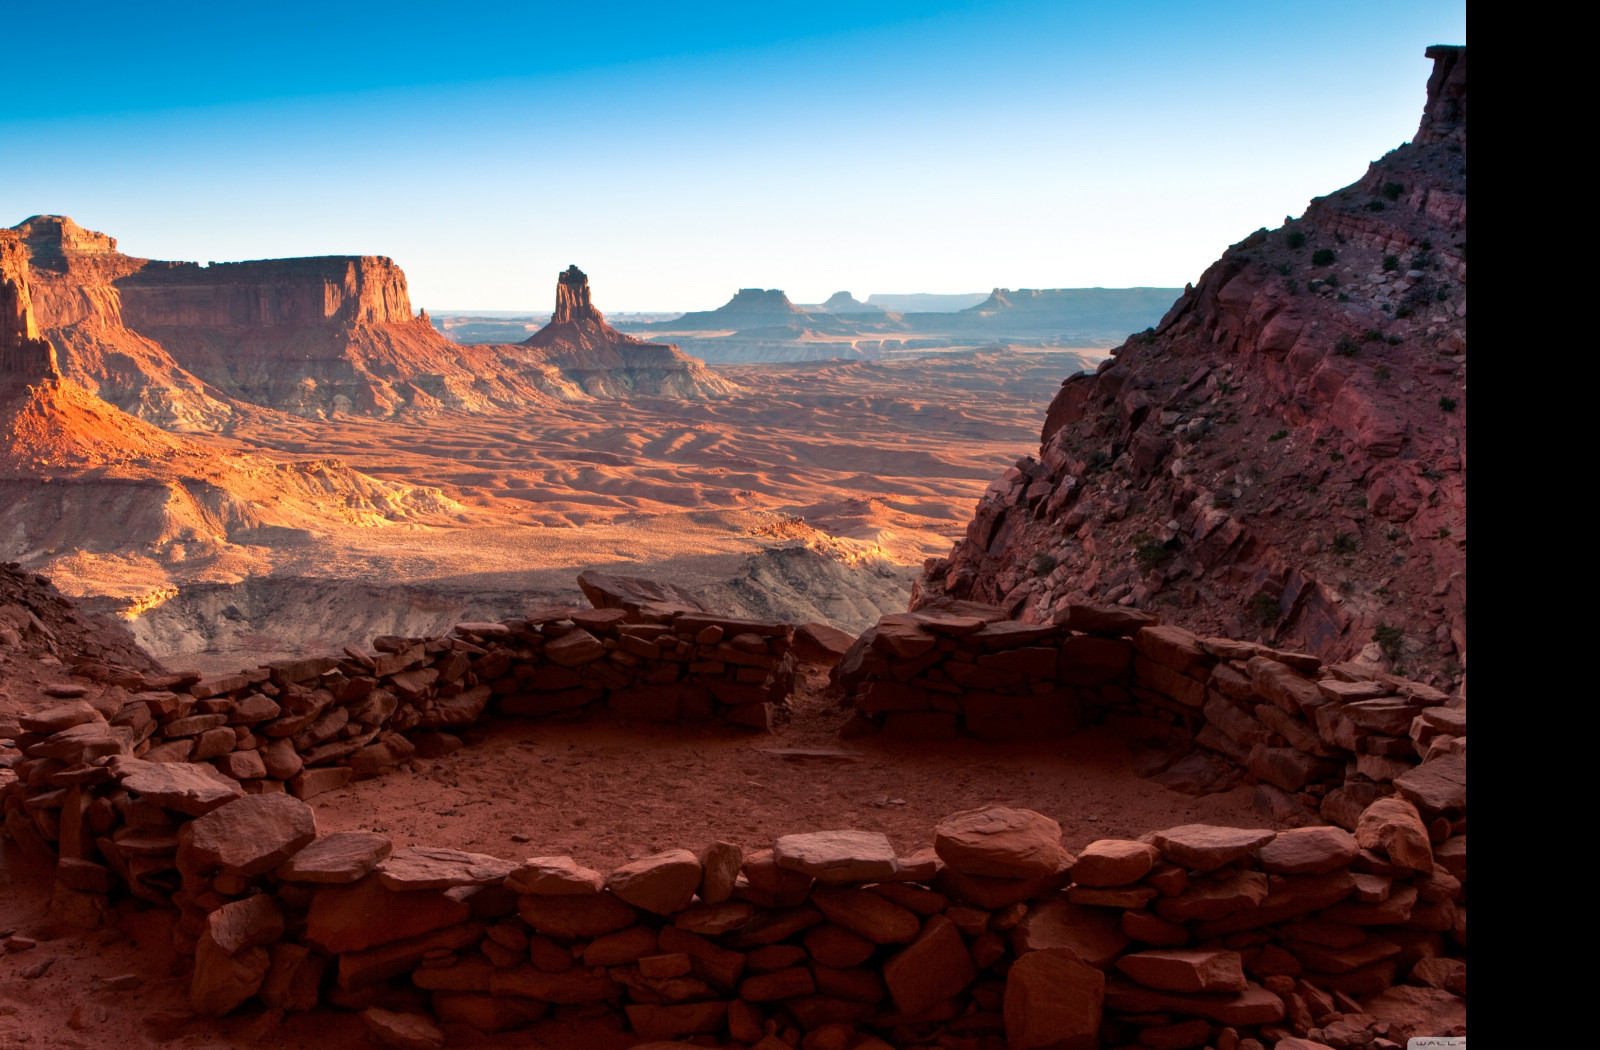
x,y
245,923
1253,1006
221,981
309,783
780,984
1053,1000
249,836
589,915
1205,847
1186,970
1308,851
1214,898
837,857
711,920
1092,935
432,868
1114,862
574,649
352,917
61,717
1113,620
242,765
341,857
837,947
1437,786
662,884
935,966
1393,827
281,759
402,1031
293,979
1000,843
719,871
868,915
554,877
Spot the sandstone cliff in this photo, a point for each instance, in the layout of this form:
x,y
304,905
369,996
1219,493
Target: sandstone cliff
x,y
184,345
84,485
606,363
1285,454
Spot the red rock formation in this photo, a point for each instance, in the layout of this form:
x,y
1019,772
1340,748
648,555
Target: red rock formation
x,y
604,361
1285,453
182,344
23,354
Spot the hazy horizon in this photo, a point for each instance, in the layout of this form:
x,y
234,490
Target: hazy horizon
x,y
677,156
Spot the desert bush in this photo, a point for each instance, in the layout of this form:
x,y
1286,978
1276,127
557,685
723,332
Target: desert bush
x,y
1278,435
1447,403
1392,190
1323,257
1391,263
1042,563
1346,347
1388,639
1148,551
1295,239
1264,609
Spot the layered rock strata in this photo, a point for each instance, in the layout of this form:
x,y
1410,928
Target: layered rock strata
x,y
1284,455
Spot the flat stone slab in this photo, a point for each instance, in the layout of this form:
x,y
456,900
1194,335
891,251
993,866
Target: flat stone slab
x,y
1206,847
344,856
837,856
1438,785
433,868
192,789
248,836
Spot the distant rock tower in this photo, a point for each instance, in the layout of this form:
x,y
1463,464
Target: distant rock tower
x,y
572,298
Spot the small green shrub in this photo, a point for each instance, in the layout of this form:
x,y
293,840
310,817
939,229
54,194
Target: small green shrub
x,y
1375,206
1042,564
1442,294
1284,269
1332,280
1447,403
1295,239
1388,639
1391,263
1346,543
1402,311
1346,347
1292,285
1372,335
1278,435
1444,532
1392,190
1148,551
1264,609
1323,257
1382,374
1395,340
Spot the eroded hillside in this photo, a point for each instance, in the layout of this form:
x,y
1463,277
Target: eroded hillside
x,y
1284,455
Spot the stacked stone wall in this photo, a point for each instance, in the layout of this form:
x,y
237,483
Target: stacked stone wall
x,y
1320,741
1000,935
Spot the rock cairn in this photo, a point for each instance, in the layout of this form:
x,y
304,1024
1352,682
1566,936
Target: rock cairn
x,y
1322,741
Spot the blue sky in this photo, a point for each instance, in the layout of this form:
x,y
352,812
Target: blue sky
x,y
679,152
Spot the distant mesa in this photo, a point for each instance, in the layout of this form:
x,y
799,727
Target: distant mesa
x,y
749,308
846,304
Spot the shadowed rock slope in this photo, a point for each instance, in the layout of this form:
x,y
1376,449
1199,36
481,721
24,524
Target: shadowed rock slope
x,y
1284,455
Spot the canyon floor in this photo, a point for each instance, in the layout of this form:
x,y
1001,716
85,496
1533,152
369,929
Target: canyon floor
x,y
814,493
